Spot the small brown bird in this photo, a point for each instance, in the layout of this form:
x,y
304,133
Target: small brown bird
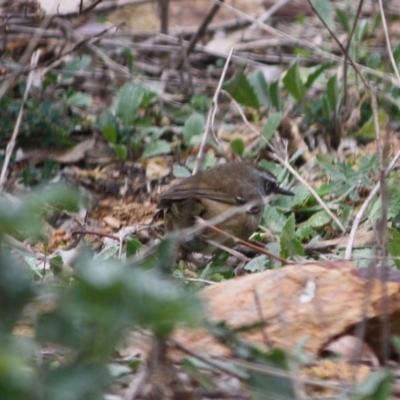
x,y
213,192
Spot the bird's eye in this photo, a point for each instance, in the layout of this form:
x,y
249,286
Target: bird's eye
x,y
269,187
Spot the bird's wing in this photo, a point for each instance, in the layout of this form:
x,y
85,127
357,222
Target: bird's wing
x,y
177,194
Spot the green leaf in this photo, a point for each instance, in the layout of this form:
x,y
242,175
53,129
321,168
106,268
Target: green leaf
x,y
110,133
297,154
318,71
130,57
317,220
343,18
287,203
273,219
16,291
394,198
326,111
362,257
240,88
290,246
121,151
156,148
394,245
293,83
303,233
238,146
258,81
376,386
129,97
167,251
267,386
374,61
332,92
78,63
368,129
107,253
275,94
180,172
108,127
257,264
132,246
81,381
324,10
194,126
79,99
395,339
271,125
25,218
197,372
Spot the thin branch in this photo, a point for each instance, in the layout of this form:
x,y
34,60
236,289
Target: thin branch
x,y
164,15
381,153
287,165
387,40
382,227
207,360
264,333
11,143
200,31
88,8
188,234
25,57
250,245
104,57
309,45
347,49
269,13
335,38
317,197
211,115
364,207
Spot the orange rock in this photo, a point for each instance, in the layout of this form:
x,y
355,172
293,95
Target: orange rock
x,y
316,301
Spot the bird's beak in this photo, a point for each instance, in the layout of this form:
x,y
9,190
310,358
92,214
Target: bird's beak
x,y
283,191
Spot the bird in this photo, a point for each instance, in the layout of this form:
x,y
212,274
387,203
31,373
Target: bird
x,y
241,186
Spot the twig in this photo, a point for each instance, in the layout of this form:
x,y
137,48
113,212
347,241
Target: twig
x,y
104,57
200,32
11,143
269,13
164,15
308,44
244,242
229,250
88,8
387,40
25,57
206,360
382,149
365,205
335,38
287,165
317,197
267,342
137,383
188,234
195,280
211,115
382,225
347,49
273,371
113,4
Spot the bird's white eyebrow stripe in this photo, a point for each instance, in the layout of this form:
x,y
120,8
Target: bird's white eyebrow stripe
x,y
265,175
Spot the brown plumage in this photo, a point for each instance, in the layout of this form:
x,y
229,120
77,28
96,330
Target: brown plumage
x,y
211,193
